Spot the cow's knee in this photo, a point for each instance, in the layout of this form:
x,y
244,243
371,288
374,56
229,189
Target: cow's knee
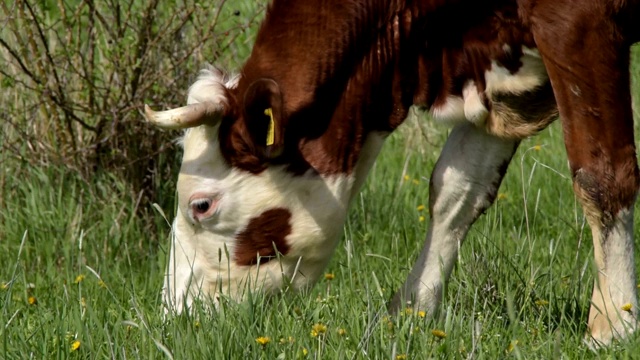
x,y
463,184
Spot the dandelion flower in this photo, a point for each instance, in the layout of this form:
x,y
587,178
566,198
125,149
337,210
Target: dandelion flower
x,y
420,207
305,352
627,307
342,332
511,346
78,279
422,313
541,302
421,218
196,324
32,300
75,345
406,177
537,148
438,333
318,329
329,276
502,196
401,357
263,340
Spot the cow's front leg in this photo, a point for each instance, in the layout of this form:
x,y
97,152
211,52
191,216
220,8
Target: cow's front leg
x,y
588,64
463,185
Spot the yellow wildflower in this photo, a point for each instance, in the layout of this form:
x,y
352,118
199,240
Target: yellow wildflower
x,y
420,207
537,147
32,300
342,332
263,340
318,329
390,324
627,307
541,302
421,218
408,311
289,340
78,279
438,333
401,357
196,324
422,313
511,346
305,351
502,196
75,345
329,276
406,177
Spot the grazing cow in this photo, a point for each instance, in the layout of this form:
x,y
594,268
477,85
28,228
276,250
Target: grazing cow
x,y
273,157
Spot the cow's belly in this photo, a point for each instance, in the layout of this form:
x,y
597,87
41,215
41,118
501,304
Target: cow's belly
x,y
512,104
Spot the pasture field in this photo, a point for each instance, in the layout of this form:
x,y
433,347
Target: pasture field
x,y
81,274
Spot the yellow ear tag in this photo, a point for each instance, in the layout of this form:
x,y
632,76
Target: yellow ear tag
x,y
272,127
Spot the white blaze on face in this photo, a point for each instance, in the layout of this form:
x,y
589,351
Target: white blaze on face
x,y
217,203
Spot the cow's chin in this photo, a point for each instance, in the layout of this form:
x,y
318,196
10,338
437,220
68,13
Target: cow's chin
x,y
283,246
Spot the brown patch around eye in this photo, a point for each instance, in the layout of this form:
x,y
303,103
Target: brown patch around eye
x,y
263,236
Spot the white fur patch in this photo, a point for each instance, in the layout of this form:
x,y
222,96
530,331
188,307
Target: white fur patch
x,y
615,285
499,79
209,86
531,74
450,113
474,109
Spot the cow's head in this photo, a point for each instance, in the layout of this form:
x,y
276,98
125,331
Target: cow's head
x,y
257,207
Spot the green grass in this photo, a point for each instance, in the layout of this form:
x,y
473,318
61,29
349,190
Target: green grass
x,y
518,280
520,290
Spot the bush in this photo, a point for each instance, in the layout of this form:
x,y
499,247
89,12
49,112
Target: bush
x,y
76,74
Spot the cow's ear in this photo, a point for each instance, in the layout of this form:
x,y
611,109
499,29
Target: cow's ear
x,y
264,117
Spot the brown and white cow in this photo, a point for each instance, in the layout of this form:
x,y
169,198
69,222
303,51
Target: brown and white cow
x,y
274,156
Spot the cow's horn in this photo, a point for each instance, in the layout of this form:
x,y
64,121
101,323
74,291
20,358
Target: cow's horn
x,y
187,116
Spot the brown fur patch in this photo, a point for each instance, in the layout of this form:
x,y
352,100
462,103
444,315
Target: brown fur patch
x,y
263,238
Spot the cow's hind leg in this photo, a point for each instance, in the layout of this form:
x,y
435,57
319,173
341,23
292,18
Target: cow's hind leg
x,y
588,61
463,185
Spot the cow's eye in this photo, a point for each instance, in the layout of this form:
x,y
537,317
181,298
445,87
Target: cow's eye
x,y
201,206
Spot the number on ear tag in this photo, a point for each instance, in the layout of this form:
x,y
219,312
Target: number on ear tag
x,y
272,127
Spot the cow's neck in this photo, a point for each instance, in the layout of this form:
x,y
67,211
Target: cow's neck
x,y
341,77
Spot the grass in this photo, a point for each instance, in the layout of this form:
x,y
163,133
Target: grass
x,y
521,288
81,274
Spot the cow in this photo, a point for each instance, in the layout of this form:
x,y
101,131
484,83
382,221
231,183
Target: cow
x,y
274,155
